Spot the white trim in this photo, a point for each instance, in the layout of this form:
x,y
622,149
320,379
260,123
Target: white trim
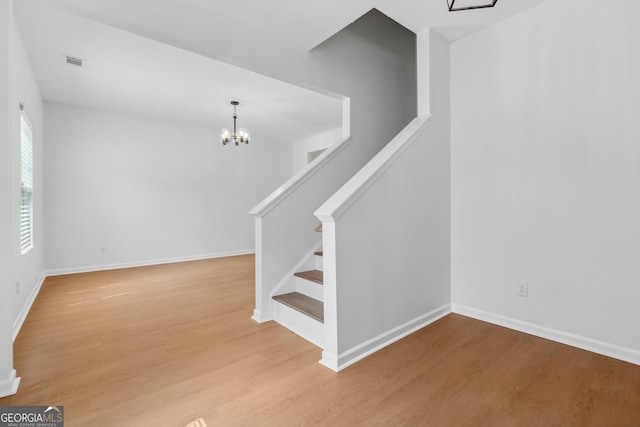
x,y
259,314
359,352
9,386
26,308
584,343
93,268
280,194
261,317
337,204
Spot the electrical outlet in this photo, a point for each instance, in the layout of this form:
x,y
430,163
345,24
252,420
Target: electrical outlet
x,y
523,289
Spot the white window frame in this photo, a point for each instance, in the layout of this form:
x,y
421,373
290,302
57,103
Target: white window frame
x,y
26,183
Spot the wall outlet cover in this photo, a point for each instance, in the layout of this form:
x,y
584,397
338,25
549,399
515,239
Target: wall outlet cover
x,y
523,289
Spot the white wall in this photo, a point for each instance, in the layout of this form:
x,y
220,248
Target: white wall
x,y
392,244
17,84
302,148
7,295
386,233
148,190
546,171
30,267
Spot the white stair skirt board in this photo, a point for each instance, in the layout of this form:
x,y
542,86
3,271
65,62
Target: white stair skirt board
x,y
299,323
310,288
359,352
9,385
584,343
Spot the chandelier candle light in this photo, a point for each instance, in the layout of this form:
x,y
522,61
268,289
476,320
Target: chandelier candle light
x,y
238,135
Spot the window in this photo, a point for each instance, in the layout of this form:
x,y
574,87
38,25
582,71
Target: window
x,y
26,185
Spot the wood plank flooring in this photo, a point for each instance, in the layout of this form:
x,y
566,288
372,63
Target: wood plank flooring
x,y
164,345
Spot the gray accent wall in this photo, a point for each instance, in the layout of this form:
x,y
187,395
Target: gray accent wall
x,y
373,62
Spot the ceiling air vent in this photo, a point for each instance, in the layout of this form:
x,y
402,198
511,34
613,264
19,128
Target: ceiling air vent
x,y
72,60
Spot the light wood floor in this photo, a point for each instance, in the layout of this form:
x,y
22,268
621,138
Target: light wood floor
x,y
164,345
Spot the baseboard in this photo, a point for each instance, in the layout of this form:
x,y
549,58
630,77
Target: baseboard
x,y
330,360
9,385
584,343
90,269
359,352
261,317
22,316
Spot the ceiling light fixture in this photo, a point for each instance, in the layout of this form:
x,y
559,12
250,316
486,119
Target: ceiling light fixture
x,y
456,5
238,135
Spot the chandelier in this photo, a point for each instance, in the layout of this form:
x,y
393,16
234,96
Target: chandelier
x,y
455,5
238,135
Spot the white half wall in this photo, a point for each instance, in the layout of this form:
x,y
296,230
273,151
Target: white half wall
x,y
386,234
126,190
546,171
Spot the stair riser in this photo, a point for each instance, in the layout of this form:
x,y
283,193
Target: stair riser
x,y
309,288
319,263
301,324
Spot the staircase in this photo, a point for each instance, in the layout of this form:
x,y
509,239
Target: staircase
x,y
302,311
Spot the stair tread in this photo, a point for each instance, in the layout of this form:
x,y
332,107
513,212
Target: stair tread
x,y
319,228
319,253
313,275
304,304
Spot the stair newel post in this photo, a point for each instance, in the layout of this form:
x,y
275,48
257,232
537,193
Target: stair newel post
x,y
330,351
262,312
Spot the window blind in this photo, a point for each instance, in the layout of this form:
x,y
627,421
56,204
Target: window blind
x,y
26,185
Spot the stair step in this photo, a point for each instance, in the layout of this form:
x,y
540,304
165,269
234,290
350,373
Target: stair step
x,y
319,253
313,275
319,228
304,304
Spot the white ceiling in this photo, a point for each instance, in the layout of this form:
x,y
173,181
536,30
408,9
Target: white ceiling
x,y
140,54
133,74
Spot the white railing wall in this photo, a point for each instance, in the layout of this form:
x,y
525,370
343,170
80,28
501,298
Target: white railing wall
x,y
284,222
386,246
